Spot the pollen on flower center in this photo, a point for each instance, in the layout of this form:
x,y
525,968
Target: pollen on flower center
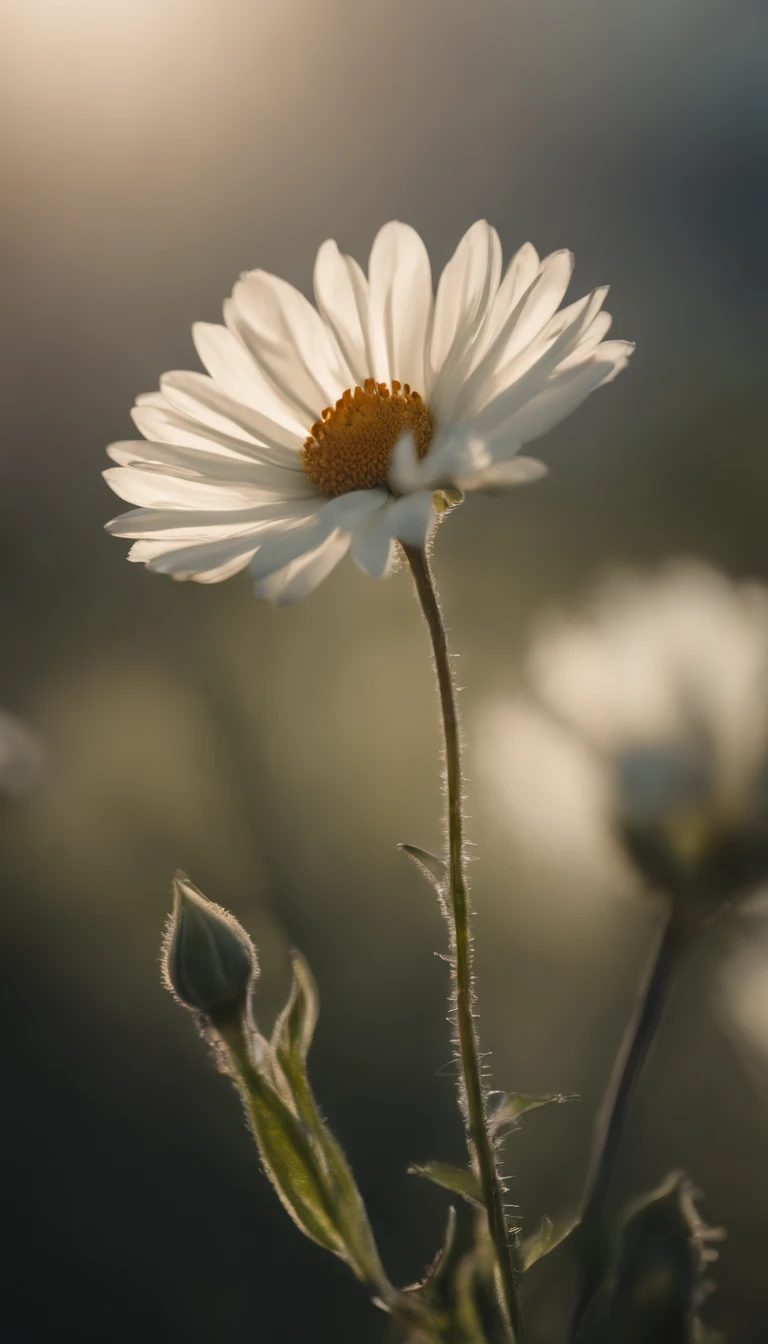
x,y
350,446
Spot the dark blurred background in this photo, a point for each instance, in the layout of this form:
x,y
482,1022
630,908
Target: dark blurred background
x,y
153,149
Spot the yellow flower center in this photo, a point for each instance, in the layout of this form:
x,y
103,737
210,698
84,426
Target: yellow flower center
x,y
350,446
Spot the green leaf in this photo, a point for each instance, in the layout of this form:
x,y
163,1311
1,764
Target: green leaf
x,y
291,1039
291,1162
295,1027
362,1254
546,1237
459,1180
511,1106
435,870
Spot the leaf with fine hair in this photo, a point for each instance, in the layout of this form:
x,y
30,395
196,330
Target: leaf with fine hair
x,y
295,1027
511,1106
546,1238
459,1180
292,1037
291,1161
289,1046
435,870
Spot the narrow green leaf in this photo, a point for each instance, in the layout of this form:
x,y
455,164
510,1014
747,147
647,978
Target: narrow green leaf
x,y
290,1162
362,1253
546,1237
435,870
459,1180
289,1046
295,1027
513,1105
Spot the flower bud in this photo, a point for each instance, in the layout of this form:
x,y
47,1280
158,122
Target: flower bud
x,y
685,834
660,1274
209,962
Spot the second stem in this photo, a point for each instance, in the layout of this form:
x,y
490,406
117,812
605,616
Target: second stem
x,y
481,1144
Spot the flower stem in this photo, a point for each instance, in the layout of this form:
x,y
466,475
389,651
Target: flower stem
x,y
611,1119
472,1095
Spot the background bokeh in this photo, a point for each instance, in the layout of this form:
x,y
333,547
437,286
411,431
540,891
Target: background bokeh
x,y
153,149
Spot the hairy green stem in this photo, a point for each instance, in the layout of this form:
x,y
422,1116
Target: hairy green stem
x,y
472,1096
611,1119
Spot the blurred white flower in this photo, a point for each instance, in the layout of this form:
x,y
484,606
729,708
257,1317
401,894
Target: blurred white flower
x,y
660,691
20,755
744,993
328,428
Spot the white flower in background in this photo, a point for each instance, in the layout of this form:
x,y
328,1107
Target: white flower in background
x,y
328,428
744,994
658,699
20,755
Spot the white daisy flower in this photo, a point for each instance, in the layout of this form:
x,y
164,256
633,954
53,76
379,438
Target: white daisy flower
x,y
664,688
322,429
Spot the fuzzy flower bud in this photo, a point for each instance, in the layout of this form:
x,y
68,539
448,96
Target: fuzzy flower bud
x,y
209,962
660,1274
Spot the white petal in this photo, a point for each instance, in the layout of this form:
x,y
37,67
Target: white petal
x,y
300,578
465,292
591,338
296,539
523,323
616,354
235,371
262,477
205,562
503,475
406,472
372,545
180,526
522,387
565,393
198,397
400,306
408,520
224,571
341,292
290,341
592,302
160,423
411,518
463,460
458,453
151,490
350,510
519,276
